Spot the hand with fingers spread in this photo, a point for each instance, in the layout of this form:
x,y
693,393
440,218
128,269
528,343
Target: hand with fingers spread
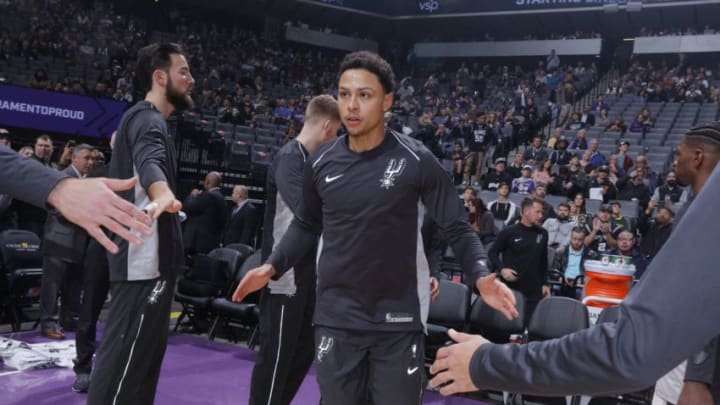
x,y
497,295
92,204
254,280
451,368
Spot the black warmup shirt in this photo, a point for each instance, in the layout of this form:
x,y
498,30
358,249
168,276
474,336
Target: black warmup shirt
x,y
524,249
372,273
144,149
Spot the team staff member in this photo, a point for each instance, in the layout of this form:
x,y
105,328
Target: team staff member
x,y
89,203
287,305
143,279
652,334
365,193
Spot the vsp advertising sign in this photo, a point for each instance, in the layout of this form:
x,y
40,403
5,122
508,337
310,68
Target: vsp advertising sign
x,y
24,107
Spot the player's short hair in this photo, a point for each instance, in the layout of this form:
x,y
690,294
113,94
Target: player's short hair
x,y
323,106
374,64
151,58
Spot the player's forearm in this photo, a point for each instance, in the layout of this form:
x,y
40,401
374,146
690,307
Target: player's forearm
x,y
160,191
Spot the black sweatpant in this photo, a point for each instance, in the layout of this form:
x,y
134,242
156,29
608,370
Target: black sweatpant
x,y
286,346
96,283
361,367
64,278
134,342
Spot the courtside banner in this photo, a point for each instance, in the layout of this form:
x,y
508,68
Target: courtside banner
x,y
24,107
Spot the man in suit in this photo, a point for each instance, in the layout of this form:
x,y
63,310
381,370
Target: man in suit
x,y
206,216
63,249
243,221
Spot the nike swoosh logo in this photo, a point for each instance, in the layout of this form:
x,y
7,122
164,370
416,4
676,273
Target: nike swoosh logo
x,y
329,179
412,370
518,239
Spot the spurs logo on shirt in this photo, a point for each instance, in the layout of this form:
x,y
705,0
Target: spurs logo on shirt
x,y
393,170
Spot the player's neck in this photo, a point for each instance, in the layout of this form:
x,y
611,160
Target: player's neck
x,y
305,138
160,102
367,141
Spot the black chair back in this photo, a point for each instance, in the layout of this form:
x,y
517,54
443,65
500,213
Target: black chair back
x,y
557,316
489,321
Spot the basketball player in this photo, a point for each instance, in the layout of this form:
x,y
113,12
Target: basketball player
x,y
143,279
286,308
366,193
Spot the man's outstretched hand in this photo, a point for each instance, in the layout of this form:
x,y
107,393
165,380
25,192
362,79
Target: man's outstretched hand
x,y
254,280
92,204
497,295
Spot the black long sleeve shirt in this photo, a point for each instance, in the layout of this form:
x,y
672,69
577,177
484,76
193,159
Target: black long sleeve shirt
x,y
372,273
524,249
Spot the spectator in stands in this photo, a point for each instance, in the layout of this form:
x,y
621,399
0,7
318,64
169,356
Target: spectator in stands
x,y
574,180
478,139
603,118
587,118
458,157
601,184
626,247
632,187
624,160
574,124
532,120
559,228
648,119
524,263
560,156
597,159
638,125
542,174
468,196
524,184
243,220
44,149
502,208
26,151
600,238
616,172
570,261
599,104
651,178
536,153
580,141
552,61
66,155
206,216
482,221
540,193
656,231
5,137
556,136
617,220
516,166
670,192
617,125
497,176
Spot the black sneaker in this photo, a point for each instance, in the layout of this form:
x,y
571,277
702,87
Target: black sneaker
x,y
82,383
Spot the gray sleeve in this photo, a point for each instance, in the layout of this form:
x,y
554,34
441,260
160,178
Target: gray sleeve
x,y
304,230
701,366
663,321
26,179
